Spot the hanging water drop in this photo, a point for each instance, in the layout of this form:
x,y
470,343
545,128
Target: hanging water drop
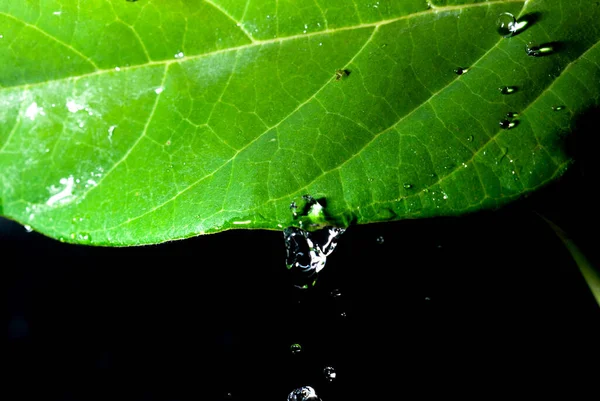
x,y
295,349
558,108
506,124
512,114
305,393
506,25
461,71
28,228
307,252
507,90
329,373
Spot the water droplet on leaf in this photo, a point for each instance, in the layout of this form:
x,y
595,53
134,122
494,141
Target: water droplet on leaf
x,y
28,228
470,138
305,393
407,186
339,74
461,71
558,108
512,114
506,24
534,50
507,90
329,373
506,124
179,54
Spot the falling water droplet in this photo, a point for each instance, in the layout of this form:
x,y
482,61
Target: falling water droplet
x,y
461,71
307,252
380,240
305,393
534,50
295,349
507,90
512,114
506,124
558,108
329,373
407,186
506,24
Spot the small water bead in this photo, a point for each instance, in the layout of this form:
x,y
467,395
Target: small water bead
x,y
407,186
305,393
558,108
179,55
534,50
336,293
512,114
380,240
506,25
329,373
296,348
506,124
461,71
470,138
507,90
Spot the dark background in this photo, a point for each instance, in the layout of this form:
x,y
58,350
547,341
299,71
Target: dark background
x,y
483,305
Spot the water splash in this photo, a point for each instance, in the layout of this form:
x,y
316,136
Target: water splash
x,y
305,393
307,252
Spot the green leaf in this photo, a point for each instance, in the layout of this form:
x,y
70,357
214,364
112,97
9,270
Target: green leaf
x,y
130,123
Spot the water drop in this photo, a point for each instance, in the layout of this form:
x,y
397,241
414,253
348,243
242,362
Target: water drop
x,y
461,71
470,138
339,74
506,124
336,293
507,90
329,373
28,228
380,240
296,349
506,25
307,252
407,186
535,50
179,54
305,393
512,114
83,237
558,108
343,314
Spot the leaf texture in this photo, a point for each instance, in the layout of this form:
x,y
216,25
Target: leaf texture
x,y
129,123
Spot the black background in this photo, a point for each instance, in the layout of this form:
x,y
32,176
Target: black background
x,y
478,306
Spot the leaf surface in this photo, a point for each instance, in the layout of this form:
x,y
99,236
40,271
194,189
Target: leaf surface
x,y
130,123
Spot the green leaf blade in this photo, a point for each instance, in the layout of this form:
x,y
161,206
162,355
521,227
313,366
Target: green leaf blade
x,y
251,116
